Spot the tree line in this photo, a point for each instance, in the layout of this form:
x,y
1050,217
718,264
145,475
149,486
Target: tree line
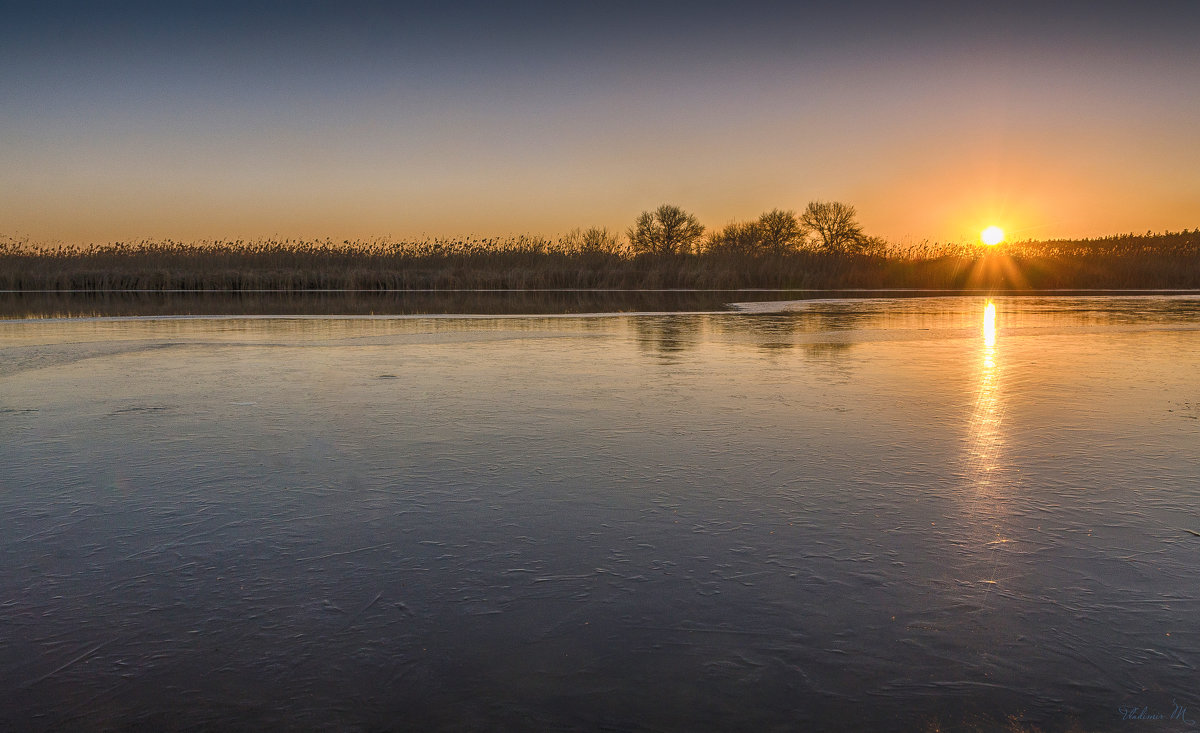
x,y
828,226
828,255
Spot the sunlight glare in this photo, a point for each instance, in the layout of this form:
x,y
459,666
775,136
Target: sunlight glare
x,y
989,325
992,235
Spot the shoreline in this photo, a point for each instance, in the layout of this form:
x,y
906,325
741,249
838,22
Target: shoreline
x,y
40,305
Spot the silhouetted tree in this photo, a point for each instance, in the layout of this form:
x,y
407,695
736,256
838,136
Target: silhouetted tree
x,y
668,230
780,231
736,238
774,232
835,225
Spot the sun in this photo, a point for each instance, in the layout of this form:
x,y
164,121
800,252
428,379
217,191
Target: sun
x,y
992,235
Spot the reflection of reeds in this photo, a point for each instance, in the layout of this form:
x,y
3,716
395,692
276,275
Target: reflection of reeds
x,y
160,303
1170,260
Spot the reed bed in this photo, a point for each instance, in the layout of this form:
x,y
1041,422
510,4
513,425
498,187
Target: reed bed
x,y
1169,260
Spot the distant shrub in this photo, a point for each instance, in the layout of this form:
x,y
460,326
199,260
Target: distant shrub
x,y
593,240
774,233
741,238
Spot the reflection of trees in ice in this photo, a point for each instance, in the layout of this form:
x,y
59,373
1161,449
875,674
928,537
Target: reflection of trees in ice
x,y
666,336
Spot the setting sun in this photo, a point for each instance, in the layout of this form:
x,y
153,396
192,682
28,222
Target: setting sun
x,y
992,235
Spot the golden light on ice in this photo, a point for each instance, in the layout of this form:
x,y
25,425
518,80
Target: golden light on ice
x,y
989,328
990,483
992,235
985,435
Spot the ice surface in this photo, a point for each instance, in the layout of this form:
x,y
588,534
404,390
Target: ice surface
x,y
843,515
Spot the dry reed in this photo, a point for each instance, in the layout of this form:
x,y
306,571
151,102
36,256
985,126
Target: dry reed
x,y
1168,260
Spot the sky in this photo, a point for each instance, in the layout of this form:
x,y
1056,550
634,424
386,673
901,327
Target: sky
x,y
191,121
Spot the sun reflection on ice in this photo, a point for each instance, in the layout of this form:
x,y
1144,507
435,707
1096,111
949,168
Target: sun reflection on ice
x,y
985,448
985,437
989,329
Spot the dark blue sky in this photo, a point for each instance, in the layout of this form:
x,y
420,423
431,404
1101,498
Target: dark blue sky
x,y
361,119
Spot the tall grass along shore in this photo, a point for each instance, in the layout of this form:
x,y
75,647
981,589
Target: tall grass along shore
x,y
1169,260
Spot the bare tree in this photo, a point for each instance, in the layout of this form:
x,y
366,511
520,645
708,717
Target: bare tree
x,y
667,230
775,232
736,238
835,225
780,231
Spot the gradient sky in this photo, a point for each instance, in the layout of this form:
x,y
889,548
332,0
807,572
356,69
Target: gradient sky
x,y
162,120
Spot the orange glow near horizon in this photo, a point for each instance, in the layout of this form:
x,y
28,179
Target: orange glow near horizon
x,y
405,125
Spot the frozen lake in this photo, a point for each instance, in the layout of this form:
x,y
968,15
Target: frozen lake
x,y
885,514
